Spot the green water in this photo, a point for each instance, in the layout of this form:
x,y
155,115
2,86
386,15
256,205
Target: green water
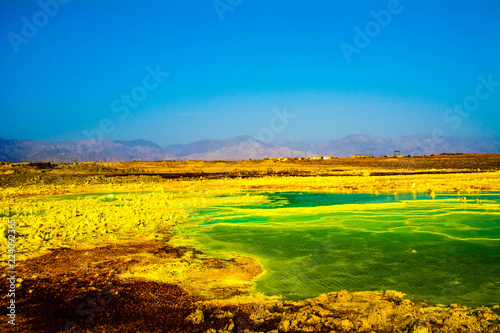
x,y
436,251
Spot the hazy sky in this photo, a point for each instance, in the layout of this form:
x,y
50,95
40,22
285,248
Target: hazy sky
x,y
174,72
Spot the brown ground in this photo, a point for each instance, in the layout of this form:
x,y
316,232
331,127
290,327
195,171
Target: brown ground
x,y
72,290
94,289
31,173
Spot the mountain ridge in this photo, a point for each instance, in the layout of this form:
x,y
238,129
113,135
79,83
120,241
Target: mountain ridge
x,y
240,147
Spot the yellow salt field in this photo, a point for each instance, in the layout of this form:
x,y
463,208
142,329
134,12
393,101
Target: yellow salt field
x,y
249,243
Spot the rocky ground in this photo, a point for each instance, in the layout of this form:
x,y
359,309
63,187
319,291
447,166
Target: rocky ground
x,y
86,290
21,174
149,285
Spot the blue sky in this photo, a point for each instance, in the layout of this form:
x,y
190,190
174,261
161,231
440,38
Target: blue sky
x,y
233,64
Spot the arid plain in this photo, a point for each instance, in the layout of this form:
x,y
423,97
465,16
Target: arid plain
x,y
98,248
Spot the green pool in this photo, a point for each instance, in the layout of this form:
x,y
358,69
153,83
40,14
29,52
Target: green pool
x,y
436,251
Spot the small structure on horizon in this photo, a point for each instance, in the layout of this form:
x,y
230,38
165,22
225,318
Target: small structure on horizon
x,y
397,154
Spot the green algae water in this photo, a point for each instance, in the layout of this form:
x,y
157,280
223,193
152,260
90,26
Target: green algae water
x,y
437,251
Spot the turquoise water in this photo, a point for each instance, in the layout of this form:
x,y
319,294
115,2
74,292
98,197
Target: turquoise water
x,y
436,251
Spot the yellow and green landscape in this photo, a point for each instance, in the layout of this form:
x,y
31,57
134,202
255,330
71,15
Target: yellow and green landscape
x,y
348,247
256,166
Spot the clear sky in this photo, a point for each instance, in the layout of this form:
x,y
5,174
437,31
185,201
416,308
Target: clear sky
x,y
86,69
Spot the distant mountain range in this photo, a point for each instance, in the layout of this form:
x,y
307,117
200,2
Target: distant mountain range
x,y
241,147
415,145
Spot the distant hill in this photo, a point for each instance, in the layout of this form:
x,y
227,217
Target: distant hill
x,y
238,148
207,146
242,147
420,144
84,150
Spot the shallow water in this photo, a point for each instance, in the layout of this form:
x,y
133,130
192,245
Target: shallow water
x,y
437,251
